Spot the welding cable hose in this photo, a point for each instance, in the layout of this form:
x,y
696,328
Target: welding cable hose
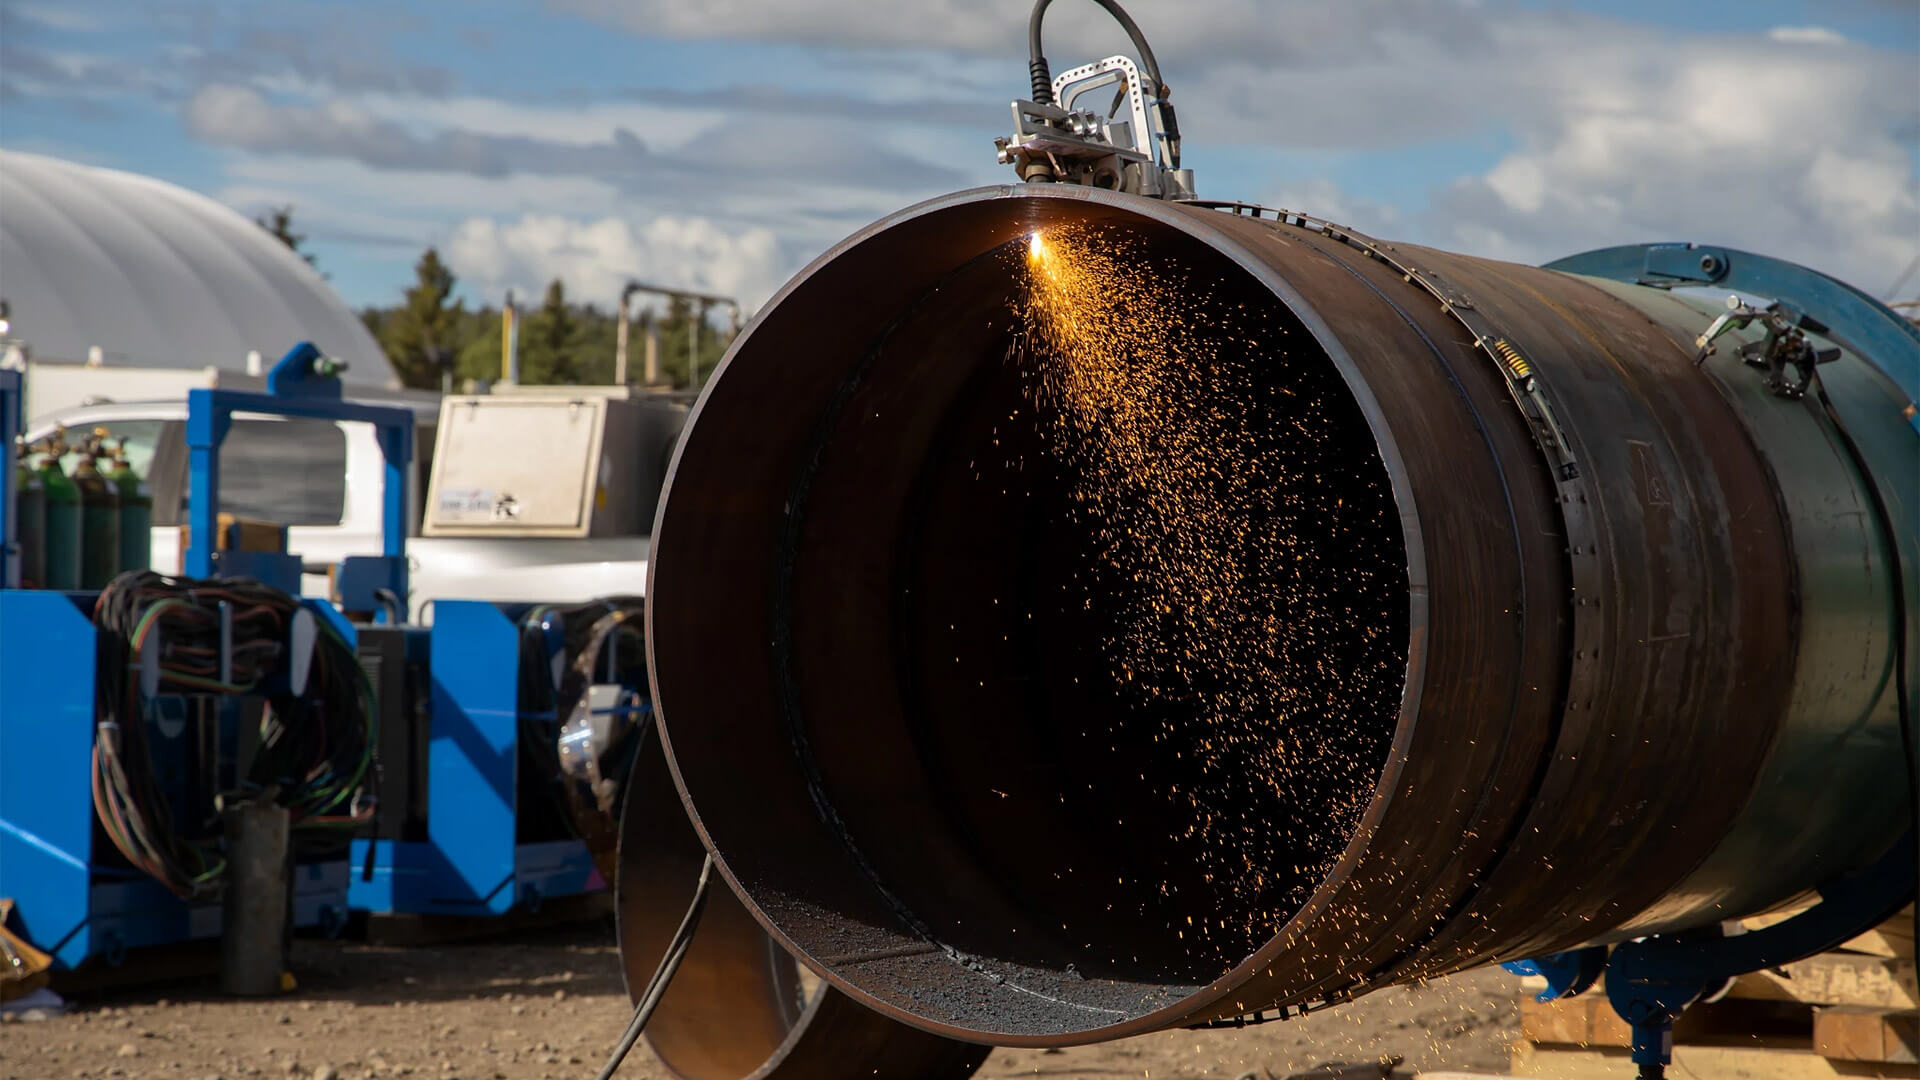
x,y
662,975
315,749
1042,76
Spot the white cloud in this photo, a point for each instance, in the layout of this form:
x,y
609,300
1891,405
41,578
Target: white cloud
x,y
1764,146
1792,140
963,24
597,257
1807,35
1323,199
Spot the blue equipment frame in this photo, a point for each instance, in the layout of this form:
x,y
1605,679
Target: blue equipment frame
x,y
298,386
70,904
472,862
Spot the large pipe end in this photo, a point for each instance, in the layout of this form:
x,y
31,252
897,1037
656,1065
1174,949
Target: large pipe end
x,y
950,738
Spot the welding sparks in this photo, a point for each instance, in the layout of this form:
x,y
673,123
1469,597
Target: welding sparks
x,y
1234,523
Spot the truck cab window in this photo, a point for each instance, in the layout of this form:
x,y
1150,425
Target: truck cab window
x,y
292,471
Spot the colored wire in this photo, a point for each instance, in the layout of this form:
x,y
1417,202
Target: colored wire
x,y
314,750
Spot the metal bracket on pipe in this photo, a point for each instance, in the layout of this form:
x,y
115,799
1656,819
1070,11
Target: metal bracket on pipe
x,y
1853,319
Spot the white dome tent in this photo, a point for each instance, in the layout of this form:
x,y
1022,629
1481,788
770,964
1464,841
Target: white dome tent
x,y
155,276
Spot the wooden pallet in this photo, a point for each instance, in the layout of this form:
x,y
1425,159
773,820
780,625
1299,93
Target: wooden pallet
x,y
1853,1012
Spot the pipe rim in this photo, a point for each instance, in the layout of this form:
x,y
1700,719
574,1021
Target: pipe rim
x,y
1195,222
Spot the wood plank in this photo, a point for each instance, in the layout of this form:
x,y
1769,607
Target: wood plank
x,y
1701,1062
1836,979
1854,1033
1587,1020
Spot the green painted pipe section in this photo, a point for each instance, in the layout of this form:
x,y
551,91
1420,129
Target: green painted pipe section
x,y
1844,718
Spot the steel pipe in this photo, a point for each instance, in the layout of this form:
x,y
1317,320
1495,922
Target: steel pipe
x,y
739,1008
1605,640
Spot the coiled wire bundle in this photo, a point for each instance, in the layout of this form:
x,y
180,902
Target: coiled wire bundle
x,y
314,750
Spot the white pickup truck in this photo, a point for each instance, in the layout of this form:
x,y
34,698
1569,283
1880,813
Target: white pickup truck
x,y
323,480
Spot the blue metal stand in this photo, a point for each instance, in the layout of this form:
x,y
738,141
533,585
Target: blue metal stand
x,y
74,898
473,861
298,386
1652,980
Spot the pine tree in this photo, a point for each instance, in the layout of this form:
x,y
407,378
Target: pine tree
x,y
423,336
547,340
279,221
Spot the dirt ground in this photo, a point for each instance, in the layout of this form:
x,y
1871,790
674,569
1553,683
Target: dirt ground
x,y
550,1004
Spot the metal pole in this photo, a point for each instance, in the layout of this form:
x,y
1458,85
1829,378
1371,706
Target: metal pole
x,y
651,370
509,342
258,909
620,339
693,346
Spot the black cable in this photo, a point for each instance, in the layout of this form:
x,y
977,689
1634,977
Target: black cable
x,y
1037,59
1043,78
662,975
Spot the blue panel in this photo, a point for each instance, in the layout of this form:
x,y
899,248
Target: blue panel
x,y
471,771
556,868
361,577
46,747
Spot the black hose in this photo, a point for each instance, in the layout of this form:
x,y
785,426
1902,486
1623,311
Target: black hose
x,y
1043,78
662,975
1037,59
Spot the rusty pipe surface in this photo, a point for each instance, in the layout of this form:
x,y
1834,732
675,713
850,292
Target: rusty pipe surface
x,y
1587,621
739,1009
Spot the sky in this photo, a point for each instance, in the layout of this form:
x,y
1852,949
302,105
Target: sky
x,y
722,144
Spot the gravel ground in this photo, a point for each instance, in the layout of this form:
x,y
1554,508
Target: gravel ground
x,y
550,1004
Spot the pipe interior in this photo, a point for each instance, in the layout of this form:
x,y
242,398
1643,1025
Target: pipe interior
x,y
1071,802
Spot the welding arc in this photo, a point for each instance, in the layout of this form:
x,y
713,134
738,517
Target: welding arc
x,y
662,975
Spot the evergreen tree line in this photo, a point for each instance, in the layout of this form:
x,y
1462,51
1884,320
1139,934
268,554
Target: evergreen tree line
x,y
430,335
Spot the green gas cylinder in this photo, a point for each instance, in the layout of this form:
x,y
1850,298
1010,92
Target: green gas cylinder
x,y
30,504
136,513
62,534
99,519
